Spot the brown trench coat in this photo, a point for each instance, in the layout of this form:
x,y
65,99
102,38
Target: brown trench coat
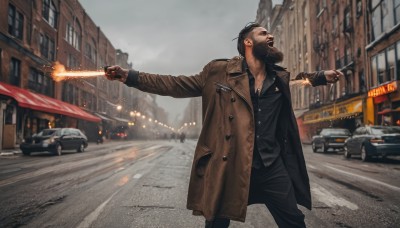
x,y
220,176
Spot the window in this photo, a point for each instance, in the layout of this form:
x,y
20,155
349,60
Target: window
x,y
348,56
68,93
15,22
47,47
359,8
90,50
347,19
382,17
15,71
73,35
40,83
398,60
381,67
72,62
335,25
374,72
390,63
49,13
396,11
363,87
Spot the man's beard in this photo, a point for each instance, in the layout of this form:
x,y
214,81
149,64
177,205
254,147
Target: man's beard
x,y
266,53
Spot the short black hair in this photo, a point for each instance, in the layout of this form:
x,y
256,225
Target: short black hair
x,y
243,34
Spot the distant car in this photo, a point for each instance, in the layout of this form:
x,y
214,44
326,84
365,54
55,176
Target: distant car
x,y
330,138
371,141
55,140
120,132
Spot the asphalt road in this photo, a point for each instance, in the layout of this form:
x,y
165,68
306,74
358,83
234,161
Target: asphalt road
x,y
144,184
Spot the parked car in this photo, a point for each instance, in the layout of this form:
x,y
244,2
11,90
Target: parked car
x,y
371,141
55,140
330,138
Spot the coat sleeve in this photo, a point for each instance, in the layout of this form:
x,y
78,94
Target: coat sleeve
x,y
316,78
168,85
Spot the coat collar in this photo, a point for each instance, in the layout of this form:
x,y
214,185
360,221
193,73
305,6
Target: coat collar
x,y
236,67
239,80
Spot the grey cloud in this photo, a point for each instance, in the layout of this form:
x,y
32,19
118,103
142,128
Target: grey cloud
x,y
172,36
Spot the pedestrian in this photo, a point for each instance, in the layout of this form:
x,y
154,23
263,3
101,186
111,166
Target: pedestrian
x,y
249,149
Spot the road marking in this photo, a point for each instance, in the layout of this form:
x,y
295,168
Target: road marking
x,y
365,178
137,176
330,200
88,220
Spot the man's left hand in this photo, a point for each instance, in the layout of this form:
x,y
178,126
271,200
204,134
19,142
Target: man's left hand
x,y
333,76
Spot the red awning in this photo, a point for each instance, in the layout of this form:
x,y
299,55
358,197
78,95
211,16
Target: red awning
x,y
27,99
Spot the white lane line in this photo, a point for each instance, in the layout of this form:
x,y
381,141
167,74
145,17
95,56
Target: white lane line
x,y
365,178
326,197
88,220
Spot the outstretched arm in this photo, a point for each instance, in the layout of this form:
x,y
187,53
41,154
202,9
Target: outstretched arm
x,y
321,77
166,85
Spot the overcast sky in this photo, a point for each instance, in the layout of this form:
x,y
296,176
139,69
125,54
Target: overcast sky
x,y
172,36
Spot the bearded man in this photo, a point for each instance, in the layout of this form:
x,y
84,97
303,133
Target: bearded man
x,y
249,149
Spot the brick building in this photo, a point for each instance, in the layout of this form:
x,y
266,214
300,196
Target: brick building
x,y
350,36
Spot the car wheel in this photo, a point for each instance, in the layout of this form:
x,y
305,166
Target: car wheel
x,y
364,156
27,153
314,148
58,150
346,152
81,148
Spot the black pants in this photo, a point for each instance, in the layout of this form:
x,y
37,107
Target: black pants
x,y
271,185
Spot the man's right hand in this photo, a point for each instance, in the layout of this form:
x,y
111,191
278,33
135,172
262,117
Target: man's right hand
x,y
116,73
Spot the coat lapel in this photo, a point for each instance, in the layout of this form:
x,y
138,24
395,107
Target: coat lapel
x,y
238,80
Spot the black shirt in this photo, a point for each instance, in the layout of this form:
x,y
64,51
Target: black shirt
x,y
267,107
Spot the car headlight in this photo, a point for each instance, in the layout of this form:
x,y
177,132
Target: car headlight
x,y
48,141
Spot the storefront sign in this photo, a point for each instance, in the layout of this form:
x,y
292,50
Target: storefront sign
x,y
334,111
383,89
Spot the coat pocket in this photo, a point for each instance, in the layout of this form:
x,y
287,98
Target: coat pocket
x,y
203,160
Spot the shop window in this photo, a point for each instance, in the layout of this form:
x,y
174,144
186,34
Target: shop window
x,y
15,22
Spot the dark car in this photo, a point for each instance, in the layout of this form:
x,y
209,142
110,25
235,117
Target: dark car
x,y
120,132
55,140
373,141
330,138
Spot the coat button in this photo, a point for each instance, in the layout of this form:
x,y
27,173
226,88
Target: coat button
x,y
233,99
227,137
224,158
230,117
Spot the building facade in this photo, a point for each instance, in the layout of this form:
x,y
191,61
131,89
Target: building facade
x,y
36,34
353,37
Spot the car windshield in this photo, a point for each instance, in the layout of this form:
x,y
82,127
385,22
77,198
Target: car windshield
x,y
335,132
385,130
47,132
